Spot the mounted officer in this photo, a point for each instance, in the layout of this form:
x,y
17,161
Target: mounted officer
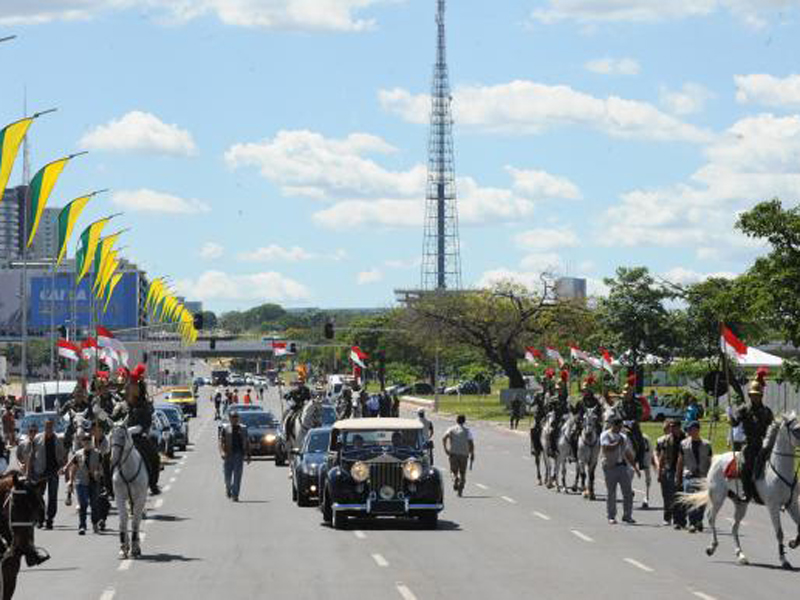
x,y
632,411
138,412
755,418
588,403
559,406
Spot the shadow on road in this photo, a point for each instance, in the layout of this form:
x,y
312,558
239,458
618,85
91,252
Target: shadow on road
x,y
253,502
53,570
163,557
167,518
398,525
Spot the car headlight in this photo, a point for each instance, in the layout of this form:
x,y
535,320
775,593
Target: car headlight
x,y
412,470
270,438
360,471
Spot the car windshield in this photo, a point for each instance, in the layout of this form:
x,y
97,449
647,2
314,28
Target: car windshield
x,y
318,441
352,440
38,419
180,394
173,415
257,419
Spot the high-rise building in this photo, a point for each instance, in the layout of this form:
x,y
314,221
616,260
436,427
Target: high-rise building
x,y
571,288
11,222
45,243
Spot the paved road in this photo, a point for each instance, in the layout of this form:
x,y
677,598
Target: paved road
x,y
506,538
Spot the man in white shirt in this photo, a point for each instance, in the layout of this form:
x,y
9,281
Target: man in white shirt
x,y
616,458
460,448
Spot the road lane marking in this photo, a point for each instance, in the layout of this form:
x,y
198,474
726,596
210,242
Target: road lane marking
x,y
509,500
360,534
483,487
173,479
639,565
158,503
581,535
380,561
177,470
108,594
125,565
166,488
406,593
542,516
702,595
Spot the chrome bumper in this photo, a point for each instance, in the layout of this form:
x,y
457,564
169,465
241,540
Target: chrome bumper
x,y
368,507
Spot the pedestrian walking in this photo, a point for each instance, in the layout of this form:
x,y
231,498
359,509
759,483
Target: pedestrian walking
x,y
617,460
217,404
235,450
516,412
694,461
25,448
668,448
48,457
427,431
84,472
247,398
459,446
261,394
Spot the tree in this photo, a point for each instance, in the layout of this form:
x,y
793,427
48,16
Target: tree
x,y
498,322
772,282
209,320
635,316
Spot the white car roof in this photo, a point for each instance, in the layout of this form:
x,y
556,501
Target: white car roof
x,y
376,423
52,387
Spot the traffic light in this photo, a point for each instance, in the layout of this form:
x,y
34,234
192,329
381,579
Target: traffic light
x,y
329,333
198,321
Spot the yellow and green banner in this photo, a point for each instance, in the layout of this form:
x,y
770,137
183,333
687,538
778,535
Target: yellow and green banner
x,y
11,137
88,246
66,223
41,187
112,284
104,248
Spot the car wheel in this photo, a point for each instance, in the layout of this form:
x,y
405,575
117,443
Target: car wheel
x,y
294,495
430,520
327,511
339,520
302,499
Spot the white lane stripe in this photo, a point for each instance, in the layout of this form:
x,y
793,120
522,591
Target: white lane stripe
x,y
166,488
581,535
125,565
542,516
108,594
509,500
702,595
639,565
177,470
406,593
380,561
173,479
360,534
158,503
483,487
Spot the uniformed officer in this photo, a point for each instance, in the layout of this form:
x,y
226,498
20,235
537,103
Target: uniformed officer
x,y
140,414
755,418
559,405
587,403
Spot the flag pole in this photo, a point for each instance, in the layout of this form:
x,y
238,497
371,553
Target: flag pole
x,y
24,297
53,268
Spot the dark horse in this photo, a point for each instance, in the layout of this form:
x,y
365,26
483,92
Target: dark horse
x,y
22,507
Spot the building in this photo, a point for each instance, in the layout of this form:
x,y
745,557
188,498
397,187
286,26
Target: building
x,y
194,306
570,288
11,223
45,244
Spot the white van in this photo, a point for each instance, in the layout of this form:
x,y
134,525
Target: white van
x,y
48,395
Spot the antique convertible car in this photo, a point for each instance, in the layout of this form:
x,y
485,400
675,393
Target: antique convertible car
x,y
379,468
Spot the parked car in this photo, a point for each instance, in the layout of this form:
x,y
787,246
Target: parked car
x,y
38,418
421,388
307,464
161,433
183,397
661,410
262,431
379,468
179,423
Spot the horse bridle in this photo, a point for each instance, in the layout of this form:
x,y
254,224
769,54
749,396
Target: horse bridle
x,y
118,464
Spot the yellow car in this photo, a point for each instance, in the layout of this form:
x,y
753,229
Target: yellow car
x,y
184,398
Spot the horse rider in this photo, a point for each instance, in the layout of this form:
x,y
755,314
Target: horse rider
x,y
539,412
588,403
140,416
559,405
632,412
755,418
427,430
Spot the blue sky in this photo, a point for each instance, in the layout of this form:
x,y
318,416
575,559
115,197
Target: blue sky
x,y
274,150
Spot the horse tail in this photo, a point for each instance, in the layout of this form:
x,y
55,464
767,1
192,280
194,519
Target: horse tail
x,y
698,499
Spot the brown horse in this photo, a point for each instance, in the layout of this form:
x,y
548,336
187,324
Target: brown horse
x,y
21,507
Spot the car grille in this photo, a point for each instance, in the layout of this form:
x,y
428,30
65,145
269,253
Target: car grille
x,y
386,473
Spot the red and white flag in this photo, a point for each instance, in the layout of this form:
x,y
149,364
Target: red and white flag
x,y
280,348
532,354
68,350
554,354
584,357
89,348
607,360
359,357
731,345
114,348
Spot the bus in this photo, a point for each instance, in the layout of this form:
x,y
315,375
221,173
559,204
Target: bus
x,y
48,395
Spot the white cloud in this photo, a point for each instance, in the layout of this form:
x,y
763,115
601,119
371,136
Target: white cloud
x,y
684,276
385,212
768,90
542,185
592,11
309,164
542,262
304,15
411,263
211,251
526,107
690,99
275,253
264,287
368,277
547,239
145,200
613,66
139,131
756,159
530,279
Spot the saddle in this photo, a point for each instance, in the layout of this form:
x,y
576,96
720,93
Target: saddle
x,y
733,468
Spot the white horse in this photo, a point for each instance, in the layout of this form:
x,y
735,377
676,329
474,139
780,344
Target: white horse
x,y
548,449
130,487
588,453
308,419
564,452
777,488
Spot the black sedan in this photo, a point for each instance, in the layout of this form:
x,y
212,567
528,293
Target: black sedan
x,y
179,424
306,466
262,430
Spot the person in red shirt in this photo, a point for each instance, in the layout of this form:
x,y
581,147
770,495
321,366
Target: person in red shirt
x,y
247,398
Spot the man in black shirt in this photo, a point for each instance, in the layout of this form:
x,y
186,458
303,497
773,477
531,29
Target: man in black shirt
x,y
234,446
668,448
755,418
48,456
